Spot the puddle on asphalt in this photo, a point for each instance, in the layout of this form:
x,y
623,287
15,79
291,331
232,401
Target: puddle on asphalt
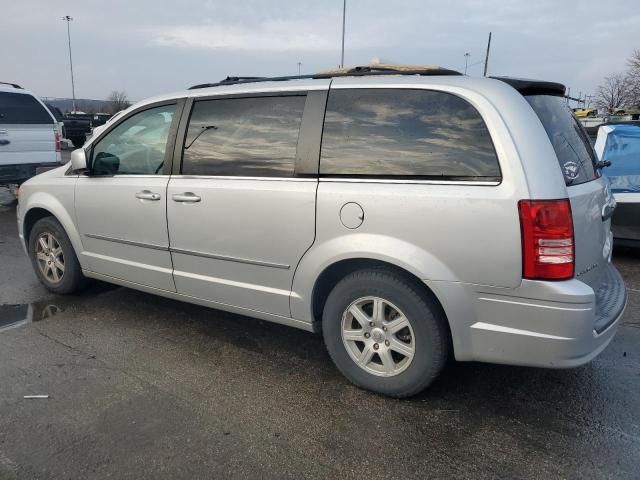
x,y
12,316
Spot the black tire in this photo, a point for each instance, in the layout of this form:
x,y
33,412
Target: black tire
x,y
77,141
426,318
72,279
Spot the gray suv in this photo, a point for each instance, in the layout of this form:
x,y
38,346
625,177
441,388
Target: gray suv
x,y
410,216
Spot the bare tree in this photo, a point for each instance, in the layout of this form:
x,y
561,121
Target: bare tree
x,y
633,79
116,101
613,93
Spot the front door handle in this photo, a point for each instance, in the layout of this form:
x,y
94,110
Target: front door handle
x,y
147,195
4,142
189,197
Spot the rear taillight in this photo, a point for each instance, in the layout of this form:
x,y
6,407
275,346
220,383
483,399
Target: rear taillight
x,y
548,249
56,137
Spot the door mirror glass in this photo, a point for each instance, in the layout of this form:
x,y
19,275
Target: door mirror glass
x,y
78,161
105,164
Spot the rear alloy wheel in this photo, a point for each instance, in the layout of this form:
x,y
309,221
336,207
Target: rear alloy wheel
x,y
385,332
378,336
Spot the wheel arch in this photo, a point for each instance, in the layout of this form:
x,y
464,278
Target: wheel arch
x,y
46,205
338,270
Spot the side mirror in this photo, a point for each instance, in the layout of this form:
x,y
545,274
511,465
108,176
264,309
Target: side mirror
x,y
79,161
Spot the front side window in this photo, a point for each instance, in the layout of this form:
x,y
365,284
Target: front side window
x,y
243,137
405,133
136,146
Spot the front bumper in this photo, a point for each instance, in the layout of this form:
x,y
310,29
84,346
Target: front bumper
x,y
539,324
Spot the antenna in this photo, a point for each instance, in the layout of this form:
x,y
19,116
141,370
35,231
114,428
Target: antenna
x,y
486,58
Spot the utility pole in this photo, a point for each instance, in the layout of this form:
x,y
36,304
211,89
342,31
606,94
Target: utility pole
x,y
344,12
486,58
69,19
466,61
299,68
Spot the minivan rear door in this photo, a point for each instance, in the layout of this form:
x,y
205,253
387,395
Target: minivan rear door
x,y
27,131
591,199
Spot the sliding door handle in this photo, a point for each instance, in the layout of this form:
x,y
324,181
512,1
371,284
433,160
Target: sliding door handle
x,y
147,195
186,197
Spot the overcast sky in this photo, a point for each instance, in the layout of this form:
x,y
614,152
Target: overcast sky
x,y
146,47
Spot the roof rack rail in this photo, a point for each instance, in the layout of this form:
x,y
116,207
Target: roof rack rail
x,y
361,71
14,85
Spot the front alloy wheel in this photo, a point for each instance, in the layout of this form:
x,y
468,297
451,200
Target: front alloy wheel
x,y
50,257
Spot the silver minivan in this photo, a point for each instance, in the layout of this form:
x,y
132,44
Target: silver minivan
x,y
410,216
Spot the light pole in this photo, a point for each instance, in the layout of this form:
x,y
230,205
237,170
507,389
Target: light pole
x,y
466,62
344,11
299,68
69,19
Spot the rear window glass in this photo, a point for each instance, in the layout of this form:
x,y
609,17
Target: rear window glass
x,y
405,133
22,108
569,139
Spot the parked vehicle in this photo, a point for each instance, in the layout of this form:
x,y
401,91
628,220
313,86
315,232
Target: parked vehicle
x,y
585,112
408,215
77,127
619,144
29,136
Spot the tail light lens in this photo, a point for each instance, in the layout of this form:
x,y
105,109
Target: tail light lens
x,y
56,137
548,248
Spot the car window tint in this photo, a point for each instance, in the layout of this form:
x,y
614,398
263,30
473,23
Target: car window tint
x,y
22,108
568,138
390,132
243,136
135,146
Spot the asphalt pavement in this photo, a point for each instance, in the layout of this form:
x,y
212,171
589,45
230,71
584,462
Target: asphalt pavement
x,y
144,387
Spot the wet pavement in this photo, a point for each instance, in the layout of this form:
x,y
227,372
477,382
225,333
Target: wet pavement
x,y
145,387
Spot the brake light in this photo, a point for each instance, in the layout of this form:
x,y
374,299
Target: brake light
x,y
548,248
56,137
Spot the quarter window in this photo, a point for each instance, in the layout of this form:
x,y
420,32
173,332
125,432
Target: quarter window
x,y
243,137
136,146
401,133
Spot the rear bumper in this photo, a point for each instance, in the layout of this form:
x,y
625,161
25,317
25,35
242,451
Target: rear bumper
x,y
19,173
539,324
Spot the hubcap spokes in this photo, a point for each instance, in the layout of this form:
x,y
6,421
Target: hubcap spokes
x,y
378,336
49,257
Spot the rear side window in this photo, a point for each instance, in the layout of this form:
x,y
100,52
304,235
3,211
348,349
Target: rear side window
x,y
405,133
569,139
22,108
243,137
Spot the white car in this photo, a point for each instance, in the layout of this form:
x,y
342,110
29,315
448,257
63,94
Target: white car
x,y
29,135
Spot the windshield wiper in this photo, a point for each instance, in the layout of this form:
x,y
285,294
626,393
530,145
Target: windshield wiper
x,y
204,129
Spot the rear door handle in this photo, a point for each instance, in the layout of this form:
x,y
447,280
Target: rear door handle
x,y
4,142
189,197
147,195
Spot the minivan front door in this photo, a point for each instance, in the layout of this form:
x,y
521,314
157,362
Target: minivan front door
x,y
240,213
121,206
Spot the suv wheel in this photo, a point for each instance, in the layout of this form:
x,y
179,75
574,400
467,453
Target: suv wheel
x,y
53,257
384,333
